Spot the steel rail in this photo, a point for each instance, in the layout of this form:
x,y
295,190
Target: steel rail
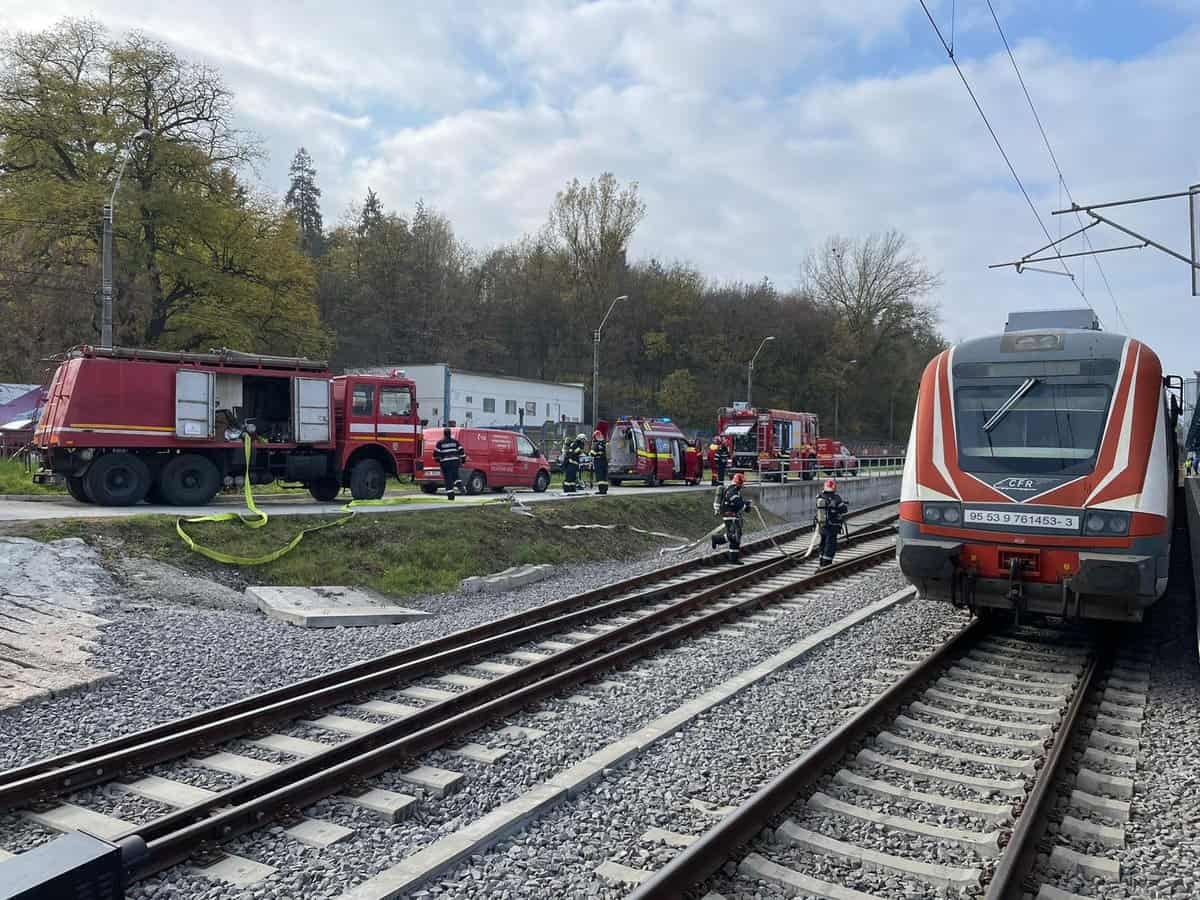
x,y
713,849
1019,855
175,837
106,752
103,768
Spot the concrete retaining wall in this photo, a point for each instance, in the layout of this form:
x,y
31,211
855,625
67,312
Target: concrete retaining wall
x,y
1191,499
795,500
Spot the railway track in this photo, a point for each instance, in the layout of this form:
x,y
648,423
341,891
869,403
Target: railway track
x,y
372,716
942,784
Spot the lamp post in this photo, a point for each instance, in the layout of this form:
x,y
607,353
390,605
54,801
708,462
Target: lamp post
x,y
596,361
106,337
750,368
837,392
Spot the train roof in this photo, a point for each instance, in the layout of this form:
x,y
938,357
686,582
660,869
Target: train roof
x,y
1040,345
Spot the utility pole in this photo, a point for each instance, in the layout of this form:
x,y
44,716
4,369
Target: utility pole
x,y
596,361
750,369
106,289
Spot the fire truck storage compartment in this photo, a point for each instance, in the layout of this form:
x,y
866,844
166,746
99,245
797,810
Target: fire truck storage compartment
x,y
281,409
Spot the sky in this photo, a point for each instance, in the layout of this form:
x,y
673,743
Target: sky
x,y
755,129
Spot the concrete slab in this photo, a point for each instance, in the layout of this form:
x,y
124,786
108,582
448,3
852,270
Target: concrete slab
x,y
553,646
385,708
344,725
998,813
480,753
710,809
1086,830
232,764
1067,860
1020,766
319,833
1103,739
463,681
953,877
616,873
943,776
1097,783
985,843
392,806
1049,892
525,734
1116,810
759,868
670,838
1125,764
433,695
70,817
236,870
293,746
329,607
438,782
495,668
166,791
529,657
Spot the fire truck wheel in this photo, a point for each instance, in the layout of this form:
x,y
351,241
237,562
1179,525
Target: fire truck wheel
x,y
189,480
76,490
428,488
367,480
541,482
117,479
325,490
476,483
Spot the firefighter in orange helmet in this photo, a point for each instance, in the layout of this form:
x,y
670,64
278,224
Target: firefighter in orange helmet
x,y
600,462
720,460
831,513
731,506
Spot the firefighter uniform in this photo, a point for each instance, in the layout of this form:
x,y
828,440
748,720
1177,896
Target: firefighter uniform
x,y
693,462
831,514
450,455
720,463
600,462
731,506
571,467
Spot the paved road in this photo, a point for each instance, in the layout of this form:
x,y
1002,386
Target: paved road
x,y
285,505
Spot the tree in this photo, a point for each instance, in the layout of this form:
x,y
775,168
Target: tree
x,y
189,237
596,221
682,399
303,199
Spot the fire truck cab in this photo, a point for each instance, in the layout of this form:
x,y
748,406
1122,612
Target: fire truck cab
x,y
770,441
653,451
121,425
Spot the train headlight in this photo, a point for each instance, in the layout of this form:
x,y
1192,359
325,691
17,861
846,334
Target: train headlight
x,y
943,513
951,515
1118,523
1095,522
932,513
1100,522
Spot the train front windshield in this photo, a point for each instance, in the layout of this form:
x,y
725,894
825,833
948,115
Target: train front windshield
x,y
1051,426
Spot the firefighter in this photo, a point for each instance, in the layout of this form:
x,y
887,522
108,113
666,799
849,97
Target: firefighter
x,y
693,462
720,461
450,455
600,462
571,465
831,513
730,506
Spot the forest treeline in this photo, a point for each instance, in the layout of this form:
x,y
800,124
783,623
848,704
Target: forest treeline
x,y
204,258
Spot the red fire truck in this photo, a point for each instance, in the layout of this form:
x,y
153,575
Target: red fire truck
x,y
121,425
769,440
651,450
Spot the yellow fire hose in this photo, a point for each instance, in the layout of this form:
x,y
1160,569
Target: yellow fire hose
x,y
258,518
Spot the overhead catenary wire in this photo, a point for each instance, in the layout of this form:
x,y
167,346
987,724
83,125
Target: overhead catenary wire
x,y
1000,146
1057,168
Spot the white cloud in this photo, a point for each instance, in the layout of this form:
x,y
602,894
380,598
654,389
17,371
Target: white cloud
x,y
750,140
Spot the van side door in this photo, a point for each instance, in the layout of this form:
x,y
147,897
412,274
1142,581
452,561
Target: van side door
x,y
528,461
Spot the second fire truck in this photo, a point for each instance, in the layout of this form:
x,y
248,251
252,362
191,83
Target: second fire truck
x,y
771,441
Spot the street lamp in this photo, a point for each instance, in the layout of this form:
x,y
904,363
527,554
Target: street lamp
x,y
837,391
596,361
106,277
750,370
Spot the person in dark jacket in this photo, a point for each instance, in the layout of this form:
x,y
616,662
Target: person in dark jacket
x,y
720,462
571,459
731,506
831,514
600,462
450,455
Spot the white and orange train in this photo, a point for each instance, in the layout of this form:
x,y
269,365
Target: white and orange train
x,y
1040,475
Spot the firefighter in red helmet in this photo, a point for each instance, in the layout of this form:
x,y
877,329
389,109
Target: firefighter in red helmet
x,y
600,462
720,460
831,514
731,506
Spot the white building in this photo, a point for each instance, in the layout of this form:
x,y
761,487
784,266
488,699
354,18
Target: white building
x,y
481,401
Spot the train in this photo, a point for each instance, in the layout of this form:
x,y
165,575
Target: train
x,y
1040,475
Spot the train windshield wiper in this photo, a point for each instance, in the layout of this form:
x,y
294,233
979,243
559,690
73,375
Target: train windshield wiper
x,y
1009,404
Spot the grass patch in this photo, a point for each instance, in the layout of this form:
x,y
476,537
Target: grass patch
x,y
407,553
16,479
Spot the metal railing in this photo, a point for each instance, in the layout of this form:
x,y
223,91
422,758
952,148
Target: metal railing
x,y
794,470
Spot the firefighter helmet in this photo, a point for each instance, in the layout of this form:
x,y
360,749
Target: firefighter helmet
x,y
739,479
581,436
830,484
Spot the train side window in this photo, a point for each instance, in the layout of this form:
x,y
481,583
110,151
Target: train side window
x,y
364,400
